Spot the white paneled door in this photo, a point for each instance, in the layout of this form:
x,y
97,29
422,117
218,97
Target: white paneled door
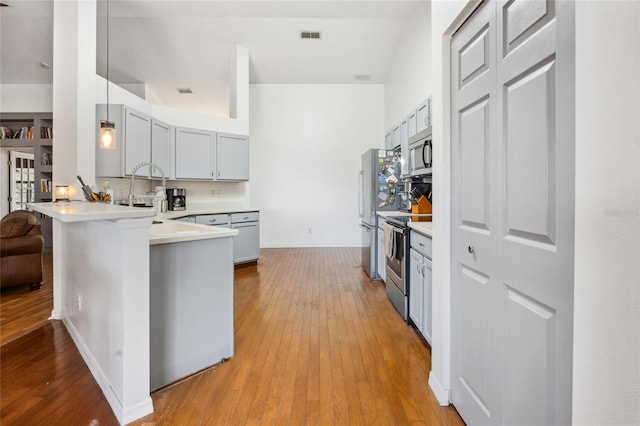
x,y
512,91
22,180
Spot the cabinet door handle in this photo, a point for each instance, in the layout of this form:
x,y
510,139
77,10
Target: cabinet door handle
x,y
470,249
245,218
421,245
213,220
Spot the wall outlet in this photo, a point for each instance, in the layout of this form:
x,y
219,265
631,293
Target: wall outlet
x,y
213,193
216,193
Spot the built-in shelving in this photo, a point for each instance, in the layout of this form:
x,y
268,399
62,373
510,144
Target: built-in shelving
x,y
35,131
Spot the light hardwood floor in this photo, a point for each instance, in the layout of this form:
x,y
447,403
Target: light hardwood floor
x,y
317,343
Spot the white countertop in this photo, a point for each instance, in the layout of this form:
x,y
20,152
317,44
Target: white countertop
x,y
172,231
81,211
207,208
169,231
425,228
393,213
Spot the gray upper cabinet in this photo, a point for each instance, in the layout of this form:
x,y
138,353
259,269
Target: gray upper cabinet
x,y
412,123
232,157
423,119
404,147
162,143
395,136
139,139
133,141
182,153
388,141
195,154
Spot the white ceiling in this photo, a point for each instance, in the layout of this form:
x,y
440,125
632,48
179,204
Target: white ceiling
x,y
170,44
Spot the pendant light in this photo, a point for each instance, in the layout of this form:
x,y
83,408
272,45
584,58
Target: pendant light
x,y
107,128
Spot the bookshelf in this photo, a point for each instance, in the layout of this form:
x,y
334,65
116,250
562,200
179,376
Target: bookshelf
x,y
33,130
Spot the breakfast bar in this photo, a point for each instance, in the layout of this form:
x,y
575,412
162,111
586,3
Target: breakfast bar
x,y
107,259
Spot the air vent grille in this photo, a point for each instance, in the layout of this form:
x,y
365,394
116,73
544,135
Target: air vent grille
x,y
310,35
185,91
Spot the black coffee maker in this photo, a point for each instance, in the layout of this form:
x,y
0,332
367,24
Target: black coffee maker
x,y
177,198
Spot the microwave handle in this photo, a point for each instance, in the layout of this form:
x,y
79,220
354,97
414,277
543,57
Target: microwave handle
x,y
427,153
424,151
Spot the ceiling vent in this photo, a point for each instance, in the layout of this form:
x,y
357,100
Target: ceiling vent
x,y
362,77
310,35
185,91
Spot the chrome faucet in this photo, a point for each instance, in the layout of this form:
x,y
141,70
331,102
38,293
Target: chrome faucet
x,y
133,178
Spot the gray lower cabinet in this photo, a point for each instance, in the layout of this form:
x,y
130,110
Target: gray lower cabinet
x,y
420,284
190,219
213,219
246,245
190,307
381,258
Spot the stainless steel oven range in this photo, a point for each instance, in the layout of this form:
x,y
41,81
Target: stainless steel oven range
x,y
397,263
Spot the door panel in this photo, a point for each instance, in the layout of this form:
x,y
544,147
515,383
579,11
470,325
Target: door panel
x,y
474,57
530,155
474,172
474,369
475,364
523,18
512,285
530,324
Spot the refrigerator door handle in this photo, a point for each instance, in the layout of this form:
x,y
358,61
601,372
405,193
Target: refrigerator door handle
x,y
361,195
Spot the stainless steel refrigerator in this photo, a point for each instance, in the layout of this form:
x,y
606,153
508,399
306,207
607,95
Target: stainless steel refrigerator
x,y
379,187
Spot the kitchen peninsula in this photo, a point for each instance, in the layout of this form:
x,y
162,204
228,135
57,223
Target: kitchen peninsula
x,y
104,276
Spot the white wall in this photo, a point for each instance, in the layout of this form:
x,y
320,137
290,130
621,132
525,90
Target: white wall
x,y
606,388
408,81
306,143
443,14
26,98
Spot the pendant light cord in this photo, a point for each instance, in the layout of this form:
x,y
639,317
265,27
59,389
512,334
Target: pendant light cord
x,y
108,15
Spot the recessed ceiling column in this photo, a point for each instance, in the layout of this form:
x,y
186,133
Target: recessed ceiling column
x,y
239,85
74,87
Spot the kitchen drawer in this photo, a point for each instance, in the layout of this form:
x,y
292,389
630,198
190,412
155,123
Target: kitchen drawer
x,y
245,217
421,243
190,219
213,219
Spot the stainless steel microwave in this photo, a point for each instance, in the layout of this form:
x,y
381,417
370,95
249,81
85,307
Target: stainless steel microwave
x,y
420,153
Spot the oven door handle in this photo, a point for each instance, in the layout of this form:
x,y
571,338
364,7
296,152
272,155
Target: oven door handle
x,y
395,229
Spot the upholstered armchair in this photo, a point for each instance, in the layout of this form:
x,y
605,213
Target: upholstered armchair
x,y
21,244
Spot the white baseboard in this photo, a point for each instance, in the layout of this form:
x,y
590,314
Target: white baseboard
x,y
56,314
136,411
302,246
123,414
442,394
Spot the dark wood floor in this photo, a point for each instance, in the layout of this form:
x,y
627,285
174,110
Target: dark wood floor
x,y
316,343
